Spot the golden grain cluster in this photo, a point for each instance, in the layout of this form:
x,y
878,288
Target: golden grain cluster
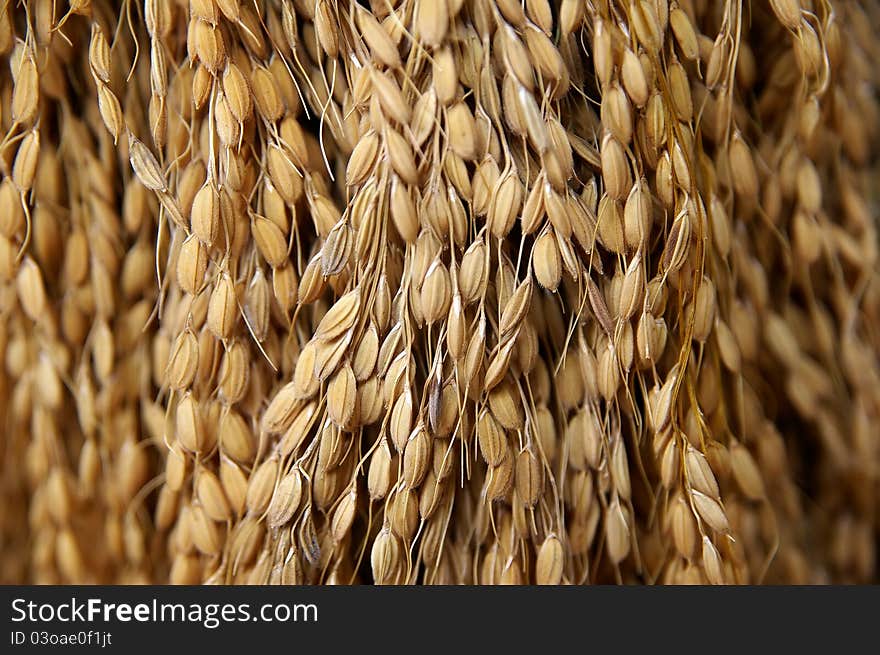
x,y
439,291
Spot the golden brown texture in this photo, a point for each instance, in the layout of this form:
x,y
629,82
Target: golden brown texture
x,y
439,291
